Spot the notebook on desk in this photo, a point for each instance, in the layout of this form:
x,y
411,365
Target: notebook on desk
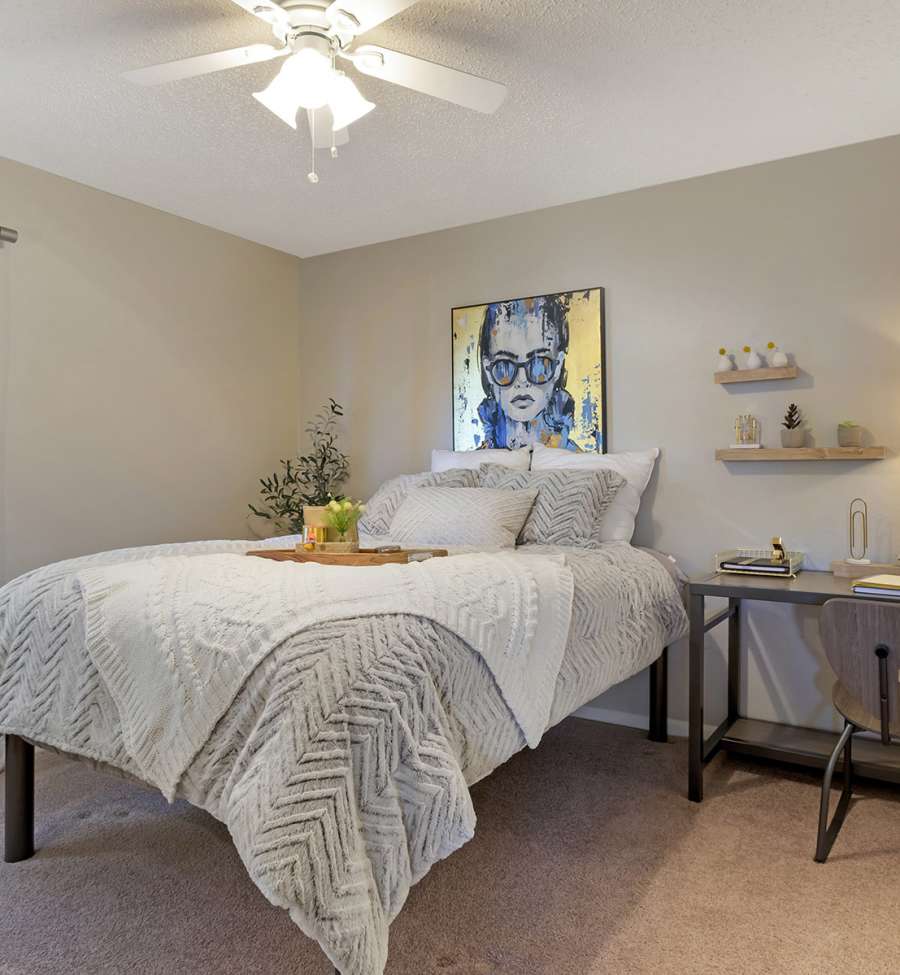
x,y
883,586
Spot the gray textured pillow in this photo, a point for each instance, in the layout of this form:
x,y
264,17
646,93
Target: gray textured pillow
x,y
387,499
462,516
569,505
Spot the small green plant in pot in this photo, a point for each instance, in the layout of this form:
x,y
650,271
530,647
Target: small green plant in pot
x,y
849,434
342,516
793,434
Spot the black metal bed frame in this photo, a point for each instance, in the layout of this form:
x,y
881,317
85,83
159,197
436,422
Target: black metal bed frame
x,y
19,811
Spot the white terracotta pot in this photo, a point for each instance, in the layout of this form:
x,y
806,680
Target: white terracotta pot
x,y
779,359
754,361
849,436
793,438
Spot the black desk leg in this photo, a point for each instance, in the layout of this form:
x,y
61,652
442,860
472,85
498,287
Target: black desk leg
x,y
19,799
659,697
696,613
734,659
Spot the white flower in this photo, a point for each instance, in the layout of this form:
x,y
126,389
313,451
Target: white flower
x,y
347,505
361,508
333,505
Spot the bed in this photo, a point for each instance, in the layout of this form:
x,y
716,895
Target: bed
x,y
340,753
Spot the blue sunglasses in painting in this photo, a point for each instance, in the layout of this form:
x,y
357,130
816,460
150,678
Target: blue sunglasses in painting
x,y
538,369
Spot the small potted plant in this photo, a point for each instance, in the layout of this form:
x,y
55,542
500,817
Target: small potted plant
x,y
849,434
793,434
342,516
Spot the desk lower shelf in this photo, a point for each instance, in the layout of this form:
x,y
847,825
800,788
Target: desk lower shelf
x,y
810,748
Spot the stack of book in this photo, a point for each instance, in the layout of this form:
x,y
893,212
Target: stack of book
x,y
765,567
881,587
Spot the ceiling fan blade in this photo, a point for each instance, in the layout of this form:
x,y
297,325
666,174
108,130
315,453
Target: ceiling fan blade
x,y
160,74
321,134
366,13
429,78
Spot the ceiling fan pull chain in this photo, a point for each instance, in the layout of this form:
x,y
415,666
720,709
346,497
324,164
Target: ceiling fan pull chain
x,y
312,175
334,152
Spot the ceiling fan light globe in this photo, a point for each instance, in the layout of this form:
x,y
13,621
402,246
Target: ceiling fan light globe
x,y
309,75
304,81
346,103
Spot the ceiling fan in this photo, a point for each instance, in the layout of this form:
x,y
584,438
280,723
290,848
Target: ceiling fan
x,y
313,35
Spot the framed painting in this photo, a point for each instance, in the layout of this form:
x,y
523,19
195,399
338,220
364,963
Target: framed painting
x,y
531,370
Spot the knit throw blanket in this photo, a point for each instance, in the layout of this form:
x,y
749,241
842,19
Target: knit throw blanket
x,y
175,638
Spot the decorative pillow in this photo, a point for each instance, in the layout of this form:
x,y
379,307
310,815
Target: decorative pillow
x,y
636,466
442,460
387,499
570,505
461,516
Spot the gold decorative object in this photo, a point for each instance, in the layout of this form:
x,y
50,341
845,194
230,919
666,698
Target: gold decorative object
x,y
778,554
746,431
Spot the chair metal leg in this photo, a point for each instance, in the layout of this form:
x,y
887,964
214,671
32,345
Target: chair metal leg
x,y
19,829
828,833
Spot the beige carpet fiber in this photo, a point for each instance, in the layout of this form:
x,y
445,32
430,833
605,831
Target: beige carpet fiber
x,y
588,860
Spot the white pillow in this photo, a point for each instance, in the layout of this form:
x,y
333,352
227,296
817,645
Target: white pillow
x,y
461,516
444,460
636,466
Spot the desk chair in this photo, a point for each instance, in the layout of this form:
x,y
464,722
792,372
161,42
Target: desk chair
x,y
862,643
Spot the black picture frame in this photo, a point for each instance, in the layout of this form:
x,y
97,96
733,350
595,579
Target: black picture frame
x,y
604,423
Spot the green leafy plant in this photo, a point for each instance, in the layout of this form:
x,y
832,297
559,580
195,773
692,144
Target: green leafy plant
x,y
312,479
343,515
792,418
847,424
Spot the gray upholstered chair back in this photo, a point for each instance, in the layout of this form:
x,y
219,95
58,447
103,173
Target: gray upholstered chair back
x,y
862,642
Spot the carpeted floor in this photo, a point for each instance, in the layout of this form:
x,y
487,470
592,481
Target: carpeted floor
x,y
588,860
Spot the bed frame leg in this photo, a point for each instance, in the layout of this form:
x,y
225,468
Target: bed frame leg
x,y
19,841
659,697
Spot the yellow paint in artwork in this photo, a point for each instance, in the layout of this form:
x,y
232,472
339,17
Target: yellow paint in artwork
x,y
467,389
584,367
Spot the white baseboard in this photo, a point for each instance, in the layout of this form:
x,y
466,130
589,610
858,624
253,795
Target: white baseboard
x,y
676,727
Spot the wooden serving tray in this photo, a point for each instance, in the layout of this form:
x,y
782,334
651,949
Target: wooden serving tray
x,y
365,556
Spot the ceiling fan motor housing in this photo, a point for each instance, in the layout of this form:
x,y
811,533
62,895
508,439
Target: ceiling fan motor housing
x,y
301,17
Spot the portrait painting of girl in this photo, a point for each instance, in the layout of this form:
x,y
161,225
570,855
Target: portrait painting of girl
x,y
530,370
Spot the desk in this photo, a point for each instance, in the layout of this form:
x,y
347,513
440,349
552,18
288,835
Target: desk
x,y
746,736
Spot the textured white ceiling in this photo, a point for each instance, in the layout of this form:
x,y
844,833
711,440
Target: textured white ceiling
x,y
603,97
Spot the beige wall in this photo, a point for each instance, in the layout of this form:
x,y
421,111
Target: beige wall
x,y
147,373
804,251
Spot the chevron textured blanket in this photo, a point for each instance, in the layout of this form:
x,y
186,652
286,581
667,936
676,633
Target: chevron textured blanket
x,y
174,639
342,766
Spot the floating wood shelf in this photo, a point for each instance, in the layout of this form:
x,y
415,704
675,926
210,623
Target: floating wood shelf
x,y
756,375
802,453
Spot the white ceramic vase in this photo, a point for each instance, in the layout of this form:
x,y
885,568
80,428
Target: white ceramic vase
x,y
725,364
754,361
779,359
